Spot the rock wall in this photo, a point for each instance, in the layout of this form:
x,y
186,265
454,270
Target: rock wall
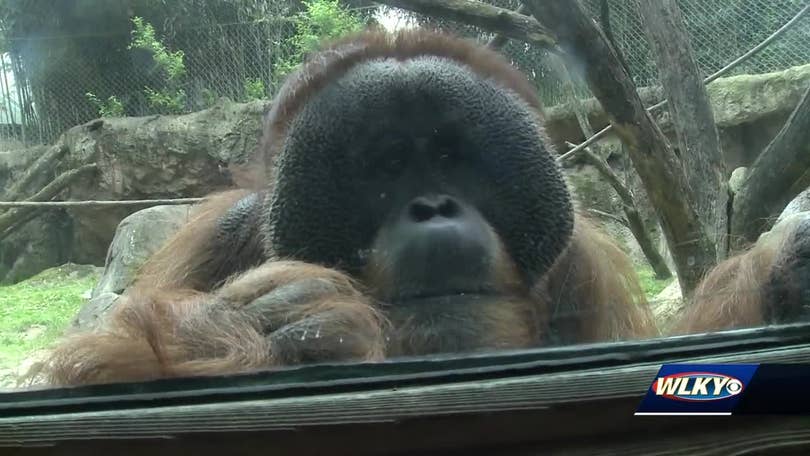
x,y
138,158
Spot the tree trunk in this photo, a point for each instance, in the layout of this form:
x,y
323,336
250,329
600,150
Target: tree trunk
x,y
15,218
634,221
500,40
660,170
44,164
780,173
692,119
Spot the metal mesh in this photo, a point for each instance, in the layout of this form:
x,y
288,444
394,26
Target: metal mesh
x,y
720,31
221,59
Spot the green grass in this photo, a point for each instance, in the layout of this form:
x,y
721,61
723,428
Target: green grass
x,y
649,283
33,313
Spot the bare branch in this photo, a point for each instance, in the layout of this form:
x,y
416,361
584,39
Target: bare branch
x,y
736,62
607,173
10,218
46,161
648,148
610,216
499,40
692,118
632,217
17,223
490,18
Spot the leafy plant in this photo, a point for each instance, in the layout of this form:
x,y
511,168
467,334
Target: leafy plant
x,y
209,97
143,37
167,100
171,98
321,20
111,107
651,285
254,89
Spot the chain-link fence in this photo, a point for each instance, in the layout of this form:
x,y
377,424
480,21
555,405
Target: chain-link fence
x,y
720,31
227,60
220,61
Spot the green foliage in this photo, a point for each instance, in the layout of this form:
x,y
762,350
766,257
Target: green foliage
x,y
143,37
321,20
209,97
254,89
171,101
651,285
171,98
111,107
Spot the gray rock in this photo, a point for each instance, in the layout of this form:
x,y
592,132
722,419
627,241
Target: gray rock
x,y
801,203
737,178
746,98
667,306
94,309
785,221
137,237
591,190
188,155
39,244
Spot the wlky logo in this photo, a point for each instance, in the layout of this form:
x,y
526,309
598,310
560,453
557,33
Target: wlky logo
x,y
697,386
694,389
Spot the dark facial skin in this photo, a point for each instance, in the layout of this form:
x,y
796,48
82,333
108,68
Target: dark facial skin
x,y
434,258
387,133
421,185
431,185
436,245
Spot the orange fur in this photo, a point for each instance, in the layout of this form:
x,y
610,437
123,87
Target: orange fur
x,y
594,291
731,294
157,333
186,262
335,58
196,310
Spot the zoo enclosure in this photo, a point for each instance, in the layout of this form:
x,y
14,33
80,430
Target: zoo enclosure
x,y
43,95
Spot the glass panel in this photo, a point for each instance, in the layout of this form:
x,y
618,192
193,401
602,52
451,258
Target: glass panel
x,y
203,188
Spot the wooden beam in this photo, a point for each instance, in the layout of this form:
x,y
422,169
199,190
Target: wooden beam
x,y
567,411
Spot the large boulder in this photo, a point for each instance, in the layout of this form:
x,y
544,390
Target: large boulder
x,y
138,158
801,203
155,157
136,239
